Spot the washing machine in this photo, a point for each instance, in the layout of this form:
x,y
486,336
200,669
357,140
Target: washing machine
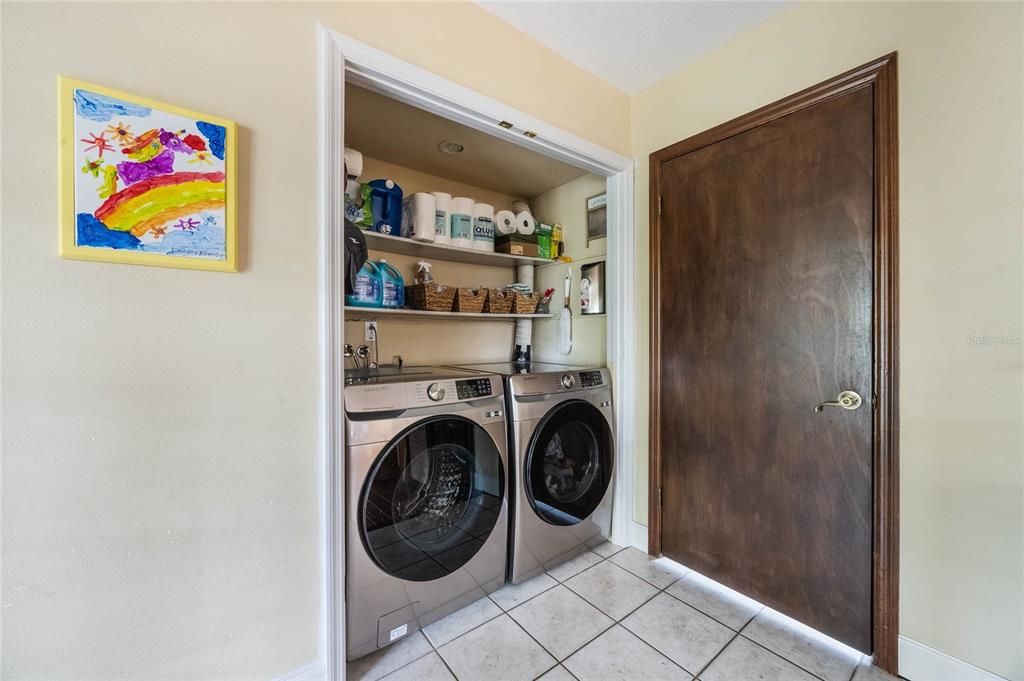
x,y
562,448
427,522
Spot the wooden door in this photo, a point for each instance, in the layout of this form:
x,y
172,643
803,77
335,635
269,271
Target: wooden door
x,y
766,305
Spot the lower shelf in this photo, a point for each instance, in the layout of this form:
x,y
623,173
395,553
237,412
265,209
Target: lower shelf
x,y
358,314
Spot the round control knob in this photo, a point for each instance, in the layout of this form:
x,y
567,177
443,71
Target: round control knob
x,y
568,381
435,392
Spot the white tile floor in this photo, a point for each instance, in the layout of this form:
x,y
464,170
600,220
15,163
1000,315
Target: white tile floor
x,y
616,615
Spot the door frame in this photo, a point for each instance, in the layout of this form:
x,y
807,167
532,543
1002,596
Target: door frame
x,y
881,74
343,59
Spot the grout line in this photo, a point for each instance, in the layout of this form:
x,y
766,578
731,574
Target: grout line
x,y
471,629
528,599
783,657
542,647
670,660
703,669
447,666
708,614
415,659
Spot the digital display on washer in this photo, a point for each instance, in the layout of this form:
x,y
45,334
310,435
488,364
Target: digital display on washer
x,y
589,379
473,388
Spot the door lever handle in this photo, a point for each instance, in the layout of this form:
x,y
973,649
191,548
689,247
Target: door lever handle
x,y
847,399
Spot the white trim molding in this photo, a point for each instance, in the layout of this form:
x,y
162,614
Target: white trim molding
x,y
343,59
314,671
919,662
638,536
332,360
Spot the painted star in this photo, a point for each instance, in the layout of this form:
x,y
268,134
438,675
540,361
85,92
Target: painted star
x,y
159,232
100,144
189,224
121,132
210,220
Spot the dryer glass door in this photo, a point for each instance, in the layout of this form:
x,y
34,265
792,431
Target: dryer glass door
x,y
569,463
432,498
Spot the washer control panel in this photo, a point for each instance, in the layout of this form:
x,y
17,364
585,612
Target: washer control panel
x,y
473,388
591,379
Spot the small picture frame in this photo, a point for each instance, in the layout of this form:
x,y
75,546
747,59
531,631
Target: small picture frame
x,y
597,217
592,288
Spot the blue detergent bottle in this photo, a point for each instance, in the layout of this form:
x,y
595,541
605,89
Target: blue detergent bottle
x,y
392,285
368,288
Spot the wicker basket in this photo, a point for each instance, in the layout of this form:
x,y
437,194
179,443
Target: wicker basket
x,y
470,299
525,303
498,302
432,297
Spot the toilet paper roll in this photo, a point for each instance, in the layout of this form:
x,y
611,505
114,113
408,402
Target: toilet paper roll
x,y
418,216
461,220
442,223
504,222
525,224
353,163
520,207
483,227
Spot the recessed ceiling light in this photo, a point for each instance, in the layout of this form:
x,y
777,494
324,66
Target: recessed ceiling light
x,y
449,147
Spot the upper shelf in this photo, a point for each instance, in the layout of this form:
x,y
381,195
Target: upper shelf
x,y
425,249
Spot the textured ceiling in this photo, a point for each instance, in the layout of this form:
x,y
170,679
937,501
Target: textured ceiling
x,y
632,45
392,131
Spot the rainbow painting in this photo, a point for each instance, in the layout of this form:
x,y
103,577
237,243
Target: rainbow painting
x,y
145,182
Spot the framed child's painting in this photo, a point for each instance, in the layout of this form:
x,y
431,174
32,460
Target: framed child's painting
x,y
145,182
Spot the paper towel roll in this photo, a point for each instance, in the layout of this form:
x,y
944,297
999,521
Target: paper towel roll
x,y
418,216
504,222
525,224
483,227
461,220
442,224
353,163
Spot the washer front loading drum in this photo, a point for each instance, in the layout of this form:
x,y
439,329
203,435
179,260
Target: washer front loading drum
x,y
431,498
569,463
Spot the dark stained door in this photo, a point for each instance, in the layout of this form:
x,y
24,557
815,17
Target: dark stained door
x,y
765,274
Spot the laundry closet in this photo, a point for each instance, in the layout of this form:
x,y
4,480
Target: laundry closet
x,y
480,443
422,153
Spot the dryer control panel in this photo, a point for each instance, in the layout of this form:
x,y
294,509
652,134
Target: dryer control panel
x,y
591,379
473,388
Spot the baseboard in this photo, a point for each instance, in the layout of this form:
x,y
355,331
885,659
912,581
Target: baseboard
x,y
312,671
638,536
919,662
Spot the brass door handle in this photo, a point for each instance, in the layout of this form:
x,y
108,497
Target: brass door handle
x,y
847,399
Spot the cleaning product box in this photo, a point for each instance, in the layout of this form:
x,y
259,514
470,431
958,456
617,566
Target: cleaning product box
x,y
516,244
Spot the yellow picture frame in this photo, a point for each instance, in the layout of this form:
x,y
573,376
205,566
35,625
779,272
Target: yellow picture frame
x,y
148,165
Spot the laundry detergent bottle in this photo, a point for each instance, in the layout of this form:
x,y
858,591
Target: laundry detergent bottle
x,y
368,291
392,285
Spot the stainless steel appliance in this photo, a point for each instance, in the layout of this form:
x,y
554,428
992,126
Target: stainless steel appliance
x,y
562,445
426,462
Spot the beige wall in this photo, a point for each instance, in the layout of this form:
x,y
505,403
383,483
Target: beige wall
x,y
567,205
961,267
159,426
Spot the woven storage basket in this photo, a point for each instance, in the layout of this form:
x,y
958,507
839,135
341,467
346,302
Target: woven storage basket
x,y
498,302
470,299
432,297
525,303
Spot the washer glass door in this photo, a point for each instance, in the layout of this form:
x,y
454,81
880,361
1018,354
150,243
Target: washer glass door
x,y
569,463
431,498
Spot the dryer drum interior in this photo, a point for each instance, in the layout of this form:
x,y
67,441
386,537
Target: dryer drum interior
x,y
569,463
432,498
